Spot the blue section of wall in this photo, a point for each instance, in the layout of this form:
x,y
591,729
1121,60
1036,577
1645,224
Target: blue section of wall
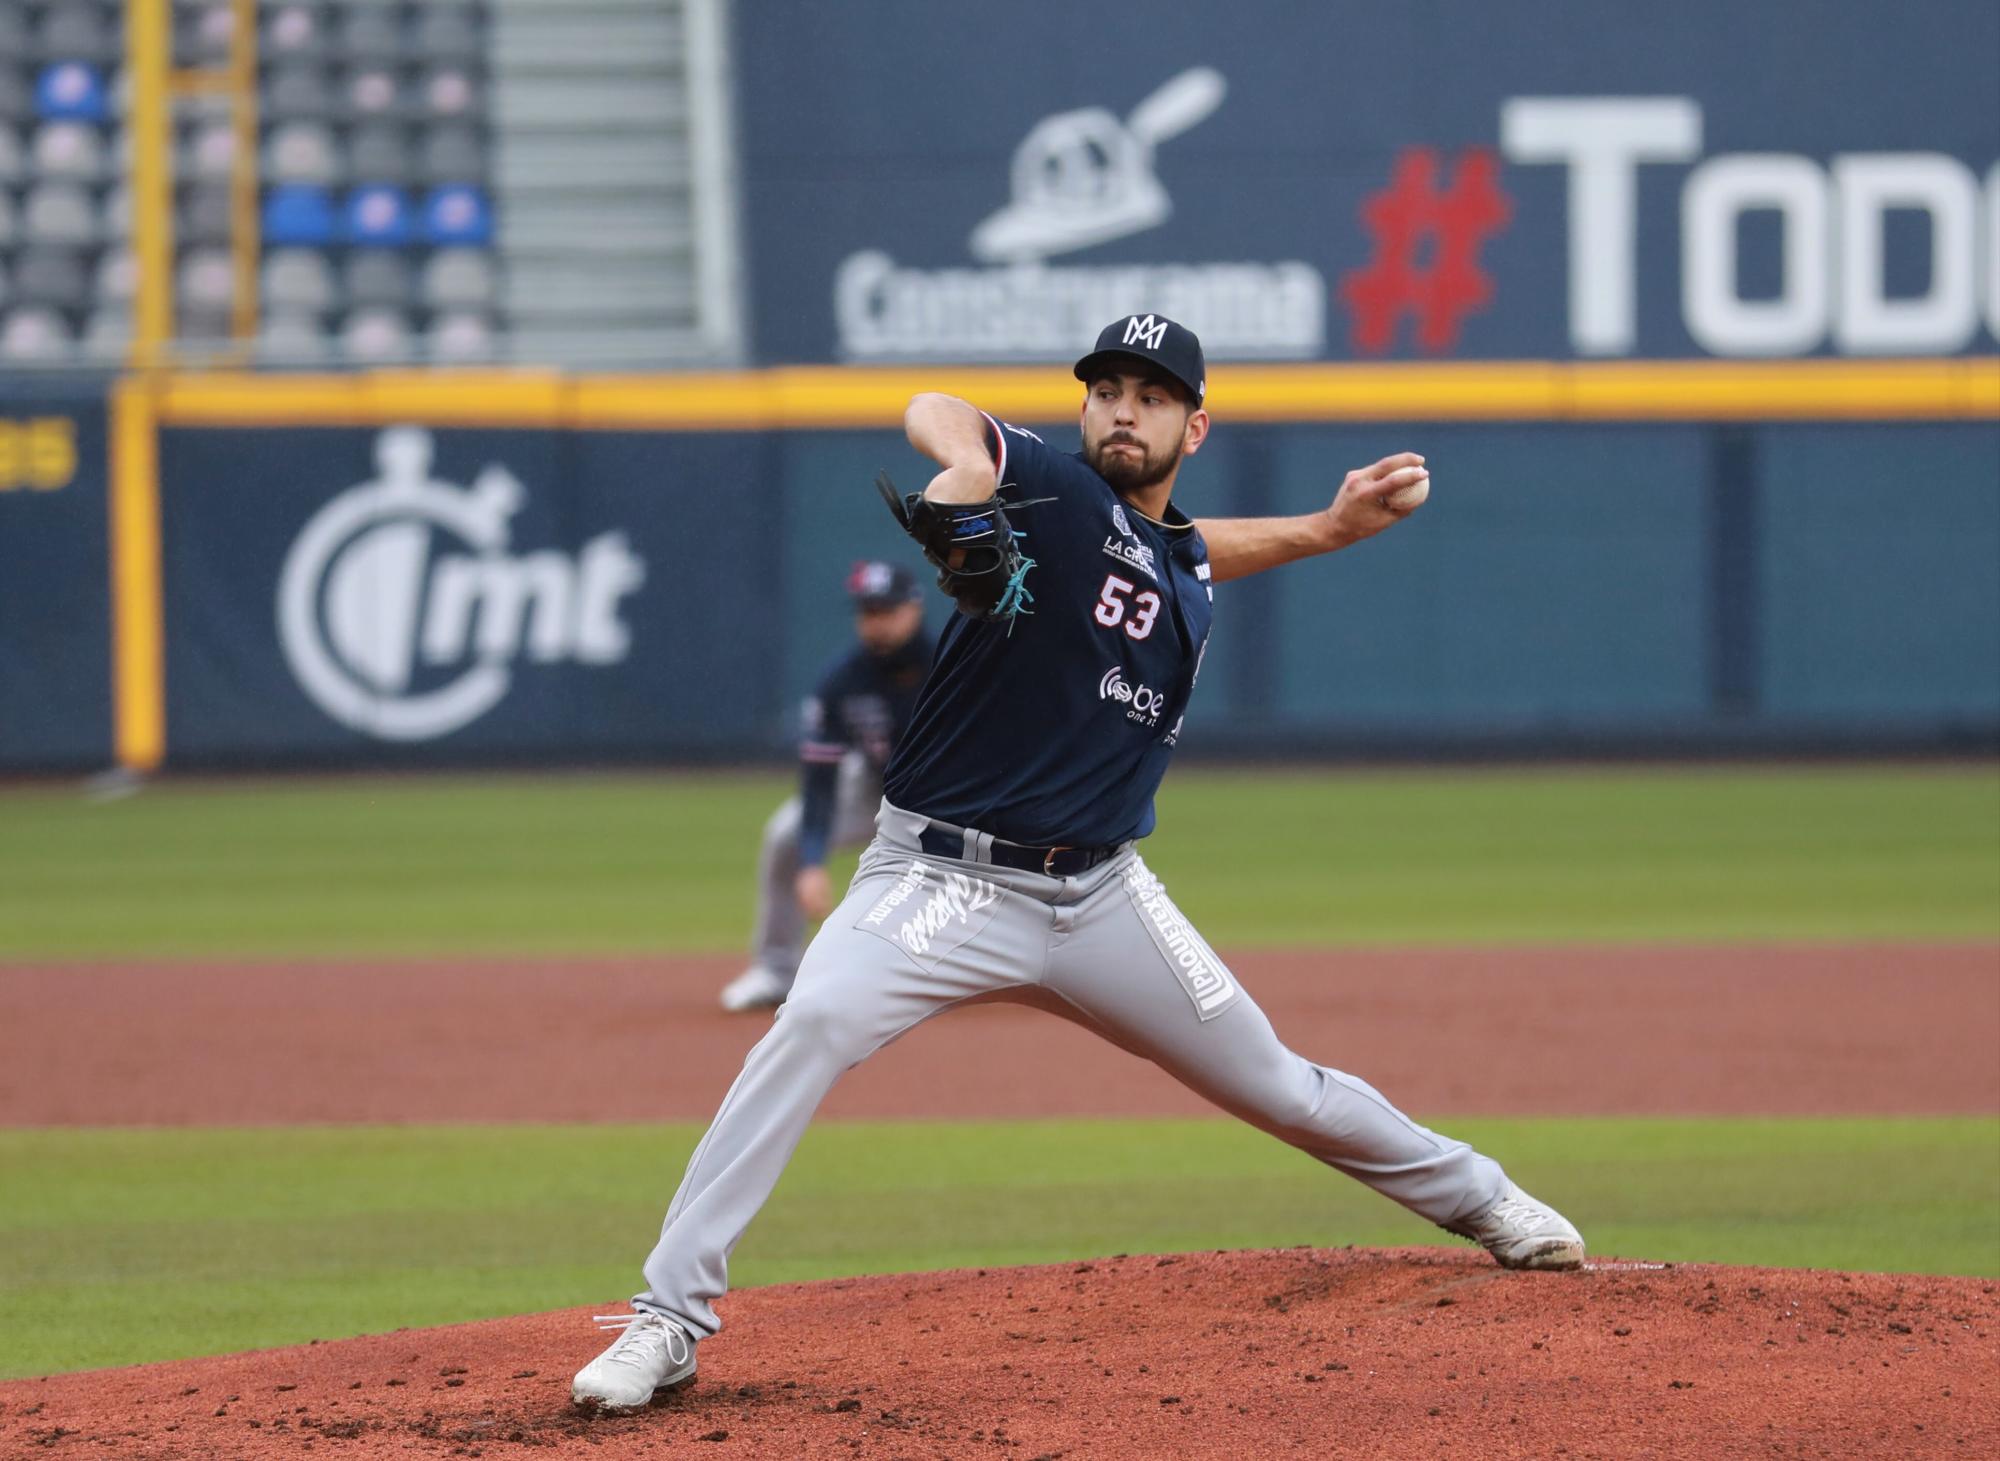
x,y
1881,574
832,517
1554,581
633,595
463,596
865,134
55,604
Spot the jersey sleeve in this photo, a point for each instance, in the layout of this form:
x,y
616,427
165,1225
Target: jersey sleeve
x,y
819,785
1060,498
1021,459
824,740
824,734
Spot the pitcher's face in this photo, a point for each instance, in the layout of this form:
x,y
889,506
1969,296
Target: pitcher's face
x,y
1136,428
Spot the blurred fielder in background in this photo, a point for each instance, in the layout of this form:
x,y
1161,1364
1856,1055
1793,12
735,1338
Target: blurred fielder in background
x,y
850,722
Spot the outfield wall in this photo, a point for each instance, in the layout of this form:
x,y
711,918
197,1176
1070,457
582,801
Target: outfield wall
x,y
56,678
437,570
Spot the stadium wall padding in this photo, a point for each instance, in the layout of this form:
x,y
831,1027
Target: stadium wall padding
x,y
55,599
483,585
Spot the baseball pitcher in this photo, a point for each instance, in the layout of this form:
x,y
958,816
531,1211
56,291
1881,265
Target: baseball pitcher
x,y
1005,863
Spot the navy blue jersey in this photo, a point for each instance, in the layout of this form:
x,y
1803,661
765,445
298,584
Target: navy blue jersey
x,y
1055,727
862,703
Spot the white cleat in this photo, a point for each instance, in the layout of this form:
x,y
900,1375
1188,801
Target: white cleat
x,y
653,1354
1523,1232
756,988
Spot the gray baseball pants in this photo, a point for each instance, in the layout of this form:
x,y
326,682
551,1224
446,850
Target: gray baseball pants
x,y
778,938
918,934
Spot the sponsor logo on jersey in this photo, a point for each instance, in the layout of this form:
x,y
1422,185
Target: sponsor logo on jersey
x,y
1208,984
1119,520
1080,179
1142,703
402,610
956,899
914,877
1132,555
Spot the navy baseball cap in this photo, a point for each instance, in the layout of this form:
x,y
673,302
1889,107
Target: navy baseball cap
x,y
878,585
1155,339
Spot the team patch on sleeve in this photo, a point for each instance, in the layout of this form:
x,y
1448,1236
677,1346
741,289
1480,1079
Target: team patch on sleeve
x,y
1209,985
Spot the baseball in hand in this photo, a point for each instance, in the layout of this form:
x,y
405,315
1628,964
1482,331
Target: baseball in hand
x,y
1416,486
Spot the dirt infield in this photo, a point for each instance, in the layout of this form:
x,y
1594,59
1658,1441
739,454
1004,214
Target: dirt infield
x,y
1304,1353
1883,1030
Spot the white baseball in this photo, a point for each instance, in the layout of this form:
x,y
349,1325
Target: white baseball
x,y
1411,495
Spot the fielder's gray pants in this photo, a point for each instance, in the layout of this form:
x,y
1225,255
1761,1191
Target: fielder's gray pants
x,y
778,938
918,934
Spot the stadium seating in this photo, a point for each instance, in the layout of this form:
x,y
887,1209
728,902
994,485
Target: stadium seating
x,y
461,338
71,91
374,161
378,279
79,30
13,158
293,338
57,212
34,333
69,150
379,152
375,336
302,152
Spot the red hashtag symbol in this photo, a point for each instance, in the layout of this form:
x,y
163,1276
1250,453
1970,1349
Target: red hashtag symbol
x,y
1401,217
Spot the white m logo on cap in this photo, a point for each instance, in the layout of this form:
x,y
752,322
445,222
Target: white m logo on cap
x,y
1144,330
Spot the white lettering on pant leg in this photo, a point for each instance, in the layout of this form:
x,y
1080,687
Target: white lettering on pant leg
x,y
1603,139
1715,196
912,879
955,902
1207,983
1943,318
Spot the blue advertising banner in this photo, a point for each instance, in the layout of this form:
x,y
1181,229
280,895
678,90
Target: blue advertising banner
x,y
55,601
1376,180
408,595
428,596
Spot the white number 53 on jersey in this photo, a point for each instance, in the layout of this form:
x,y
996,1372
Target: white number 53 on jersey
x,y
1118,604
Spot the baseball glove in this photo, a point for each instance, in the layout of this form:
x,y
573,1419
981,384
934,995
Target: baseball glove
x,y
972,547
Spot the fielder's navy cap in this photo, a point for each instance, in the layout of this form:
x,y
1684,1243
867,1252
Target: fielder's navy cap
x,y
879,585
1158,341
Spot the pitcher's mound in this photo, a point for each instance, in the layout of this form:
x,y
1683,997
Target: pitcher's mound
x,y
1413,1352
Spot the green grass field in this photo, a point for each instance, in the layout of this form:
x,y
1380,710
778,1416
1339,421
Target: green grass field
x,y
662,863
123,1246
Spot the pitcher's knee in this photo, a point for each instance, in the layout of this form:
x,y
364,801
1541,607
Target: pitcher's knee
x,y
1286,1103
825,1025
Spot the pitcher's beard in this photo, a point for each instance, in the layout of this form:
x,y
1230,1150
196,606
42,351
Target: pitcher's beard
x,y
1127,473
